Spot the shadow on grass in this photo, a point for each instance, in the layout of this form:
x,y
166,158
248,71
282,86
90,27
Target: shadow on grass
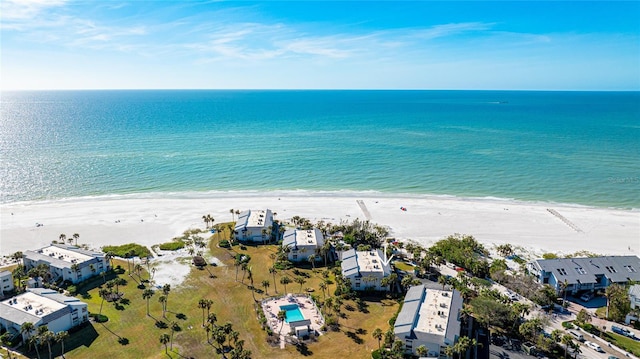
x,y
303,349
181,316
353,336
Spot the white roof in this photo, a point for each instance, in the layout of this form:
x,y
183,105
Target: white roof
x,y
434,312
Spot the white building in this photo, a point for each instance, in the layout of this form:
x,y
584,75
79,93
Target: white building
x,y
251,223
42,307
365,269
67,262
6,283
634,296
302,243
429,317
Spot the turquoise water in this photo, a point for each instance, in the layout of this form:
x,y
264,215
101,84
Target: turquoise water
x,y
569,147
293,313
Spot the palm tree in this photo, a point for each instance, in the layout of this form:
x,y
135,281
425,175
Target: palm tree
x,y
202,304
301,281
75,237
103,293
206,221
165,290
282,316
164,339
174,326
27,328
63,237
233,219
47,336
284,281
377,333
442,280
147,294
61,337
163,300
265,285
323,287
421,351
312,259
568,342
273,271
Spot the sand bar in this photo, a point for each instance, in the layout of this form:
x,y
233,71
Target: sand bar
x,y
152,219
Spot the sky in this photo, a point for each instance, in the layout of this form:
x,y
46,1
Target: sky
x,y
501,45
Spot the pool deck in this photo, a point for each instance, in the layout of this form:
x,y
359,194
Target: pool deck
x,y
271,307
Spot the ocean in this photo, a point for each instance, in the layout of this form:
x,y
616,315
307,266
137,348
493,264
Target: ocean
x,y
567,147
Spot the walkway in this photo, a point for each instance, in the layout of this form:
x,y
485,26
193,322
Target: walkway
x,y
364,209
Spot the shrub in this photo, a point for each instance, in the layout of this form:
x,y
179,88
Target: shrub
x,y
376,354
172,246
99,318
123,250
567,325
225,243
72,289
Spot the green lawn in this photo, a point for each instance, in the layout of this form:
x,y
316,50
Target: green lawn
x,y
623,342
130,333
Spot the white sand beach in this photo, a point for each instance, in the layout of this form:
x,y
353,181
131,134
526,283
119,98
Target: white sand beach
x,y
150,220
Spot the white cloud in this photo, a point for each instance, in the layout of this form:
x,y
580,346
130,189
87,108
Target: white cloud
x,y
26,9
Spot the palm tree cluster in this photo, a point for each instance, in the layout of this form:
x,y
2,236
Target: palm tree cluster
x,y
40,336
226,340
208,220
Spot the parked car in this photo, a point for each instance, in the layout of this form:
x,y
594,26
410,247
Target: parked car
x,y
586,297
594,346
578,336
622,331
613,357
529,348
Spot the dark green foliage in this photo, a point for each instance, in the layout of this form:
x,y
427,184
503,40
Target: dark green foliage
x,y
225,243
463,251
126,250
172,246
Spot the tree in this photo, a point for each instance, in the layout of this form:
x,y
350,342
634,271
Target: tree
x,y
282,317
265,285
422,351
273,271
618,303
103,293
567,341
301,281
166,289
163,301
27,328
61,337
46,336
442,280
164,339
377,334
284,281
583,316
147,294
505,250
323,288
312,260
233,219
531,328
75,238
63,237
174,327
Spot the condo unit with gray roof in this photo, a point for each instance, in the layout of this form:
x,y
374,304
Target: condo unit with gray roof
x,y
67,262
585,274
429,318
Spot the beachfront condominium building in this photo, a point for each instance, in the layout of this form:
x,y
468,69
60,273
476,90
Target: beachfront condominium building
x,y
6,282
67,262
634,296
365,269
429,318
40,307
585,274
254,226
302,243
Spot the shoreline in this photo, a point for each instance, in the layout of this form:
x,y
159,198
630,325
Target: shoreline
x,y
310,193
151,219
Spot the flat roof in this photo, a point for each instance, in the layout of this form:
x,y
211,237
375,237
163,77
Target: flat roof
x,y
434,312
34,304
303,237
254,218
364,261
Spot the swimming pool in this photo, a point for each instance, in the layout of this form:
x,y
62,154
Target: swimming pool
x,y
293,313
